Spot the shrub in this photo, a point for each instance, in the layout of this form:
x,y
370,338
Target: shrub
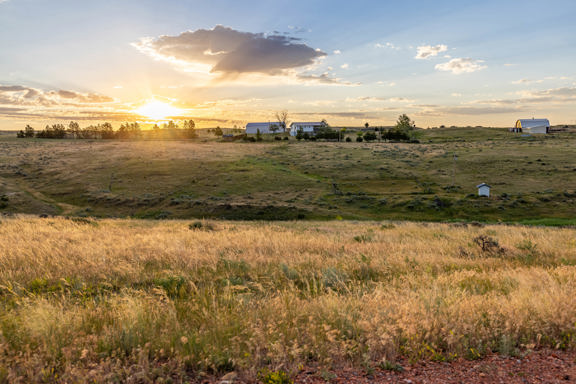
x,y
348,140
274,377
359,139
277,138
198,225
489,245
370,136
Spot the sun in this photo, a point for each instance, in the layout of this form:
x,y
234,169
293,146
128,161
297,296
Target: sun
x,y
157,110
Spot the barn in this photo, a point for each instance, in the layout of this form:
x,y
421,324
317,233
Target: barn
x,y
253,128
532,126
310,127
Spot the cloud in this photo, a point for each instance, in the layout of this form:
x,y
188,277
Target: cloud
x,y
228,52
381,99
387,45
337,52
325,79
461,65
526,81
427,51
345,66
22,95
350,115
471,110
20,101
564,95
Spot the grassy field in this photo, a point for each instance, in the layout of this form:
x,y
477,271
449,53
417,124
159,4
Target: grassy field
x,y
532,178
85,300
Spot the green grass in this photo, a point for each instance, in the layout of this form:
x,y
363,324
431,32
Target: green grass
x,y
532,178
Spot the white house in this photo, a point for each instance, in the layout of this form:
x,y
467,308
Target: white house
x,y
483,189
532,126
310,127
253,128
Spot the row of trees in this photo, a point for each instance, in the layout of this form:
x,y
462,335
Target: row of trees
x,y
106,131
403,131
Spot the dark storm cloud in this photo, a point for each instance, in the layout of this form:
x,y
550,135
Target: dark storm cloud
x,y
230,52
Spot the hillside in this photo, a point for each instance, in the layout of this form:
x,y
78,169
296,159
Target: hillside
x,y
532,178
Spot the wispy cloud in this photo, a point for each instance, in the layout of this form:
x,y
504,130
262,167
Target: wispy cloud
x,y
22,95
526,81
373,99
563,95
387,45
18,101
324,78
461,65
427,51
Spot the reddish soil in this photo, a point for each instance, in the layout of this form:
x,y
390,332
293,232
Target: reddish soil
x,y
536,367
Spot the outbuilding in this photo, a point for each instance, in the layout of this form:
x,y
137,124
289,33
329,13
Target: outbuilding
x,y
531,126
253,128
483,189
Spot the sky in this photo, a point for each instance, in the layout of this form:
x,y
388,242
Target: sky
x,y
227,63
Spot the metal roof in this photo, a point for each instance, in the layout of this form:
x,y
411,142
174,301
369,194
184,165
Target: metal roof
x,y
260,124
483,185
529,123
310,123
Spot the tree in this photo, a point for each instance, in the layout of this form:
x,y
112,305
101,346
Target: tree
x,y
366,125
106,131
282,118
404,123
189,129
218,131
274,128
370,136
28,131
258,135
74,129
171,125
300,134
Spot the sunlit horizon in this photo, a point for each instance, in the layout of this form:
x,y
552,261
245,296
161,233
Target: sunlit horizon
x,y
157,110
445,63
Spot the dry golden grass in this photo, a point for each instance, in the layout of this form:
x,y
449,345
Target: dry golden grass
x,y
86,300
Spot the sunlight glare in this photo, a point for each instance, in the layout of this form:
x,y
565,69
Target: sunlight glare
x,y
157,110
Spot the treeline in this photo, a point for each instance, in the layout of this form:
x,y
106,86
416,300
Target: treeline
x,y
106,131
380,134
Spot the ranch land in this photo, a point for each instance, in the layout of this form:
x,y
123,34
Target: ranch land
x,y
533,178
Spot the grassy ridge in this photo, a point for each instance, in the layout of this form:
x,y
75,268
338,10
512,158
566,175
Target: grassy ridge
x,y
532,177
115,299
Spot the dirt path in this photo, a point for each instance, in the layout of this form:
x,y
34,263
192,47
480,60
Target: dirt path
x,y
63,208
537,367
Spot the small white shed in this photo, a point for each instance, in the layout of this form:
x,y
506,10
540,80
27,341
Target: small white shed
x,y
483,189
532,126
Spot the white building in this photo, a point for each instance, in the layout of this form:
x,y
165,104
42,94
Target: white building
x,y
532,126
483,189
253,128
309,128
